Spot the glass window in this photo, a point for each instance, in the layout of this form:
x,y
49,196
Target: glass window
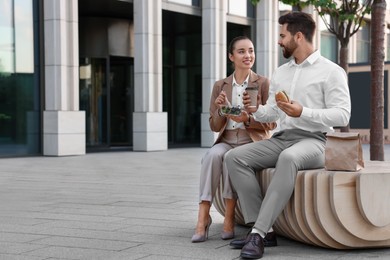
x,y
329,46
237,7
7,52
363,44
329,42
184,2
19,82
251,10
16,41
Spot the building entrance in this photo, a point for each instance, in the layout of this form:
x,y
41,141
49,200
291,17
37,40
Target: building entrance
x,y
182,77
106,96
106,72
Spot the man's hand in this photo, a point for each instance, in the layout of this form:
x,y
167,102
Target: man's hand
x,y
293,109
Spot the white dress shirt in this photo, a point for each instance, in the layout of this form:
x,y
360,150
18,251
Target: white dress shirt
x,y
319,85
237,91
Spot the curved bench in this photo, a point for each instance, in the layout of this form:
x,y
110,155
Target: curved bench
x,y
333,209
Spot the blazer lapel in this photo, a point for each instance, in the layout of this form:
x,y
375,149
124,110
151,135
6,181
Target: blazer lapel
x,y
253,80
228,87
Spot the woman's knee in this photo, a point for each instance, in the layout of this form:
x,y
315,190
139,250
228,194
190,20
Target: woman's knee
x,y
215,155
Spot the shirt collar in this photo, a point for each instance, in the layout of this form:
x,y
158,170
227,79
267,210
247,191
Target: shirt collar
x,y
310,59
244,83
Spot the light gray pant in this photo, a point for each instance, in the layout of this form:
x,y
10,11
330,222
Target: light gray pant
x,y
213,167
288,152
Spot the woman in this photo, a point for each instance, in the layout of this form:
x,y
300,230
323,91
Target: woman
x,y
234,130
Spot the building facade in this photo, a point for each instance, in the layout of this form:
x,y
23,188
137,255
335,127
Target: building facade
x,y
88,75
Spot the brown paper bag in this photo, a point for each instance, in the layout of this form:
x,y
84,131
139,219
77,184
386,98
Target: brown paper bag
x,y
343,152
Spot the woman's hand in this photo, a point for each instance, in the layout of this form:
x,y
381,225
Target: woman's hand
x,y
247,102
241,118
221,100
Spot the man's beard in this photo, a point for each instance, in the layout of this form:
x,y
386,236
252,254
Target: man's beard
x,y
289,49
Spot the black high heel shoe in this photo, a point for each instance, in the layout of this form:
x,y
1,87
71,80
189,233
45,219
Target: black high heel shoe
x,y
201,238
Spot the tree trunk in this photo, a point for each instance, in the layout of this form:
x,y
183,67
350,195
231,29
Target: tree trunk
x,y
344,64
377,76
344,56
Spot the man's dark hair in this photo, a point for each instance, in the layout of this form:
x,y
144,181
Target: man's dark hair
x,y
299,22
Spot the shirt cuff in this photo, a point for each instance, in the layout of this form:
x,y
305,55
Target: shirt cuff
x,y
307,112
260,113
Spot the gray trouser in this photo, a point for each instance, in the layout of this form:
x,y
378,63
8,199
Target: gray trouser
x,y
288,152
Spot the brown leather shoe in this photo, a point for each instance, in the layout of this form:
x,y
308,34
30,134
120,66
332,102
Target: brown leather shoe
x,y
253,248
269,241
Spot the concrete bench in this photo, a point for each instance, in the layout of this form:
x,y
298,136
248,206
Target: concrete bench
x,y
333,209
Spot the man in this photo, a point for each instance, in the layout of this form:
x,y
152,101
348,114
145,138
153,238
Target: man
x,y
319,100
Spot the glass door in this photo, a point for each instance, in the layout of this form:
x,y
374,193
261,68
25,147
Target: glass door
x,y
93,100
121,101
182,77
108,101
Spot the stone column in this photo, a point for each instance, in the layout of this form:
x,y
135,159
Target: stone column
x,y
150,124
63,123
267,34
213,59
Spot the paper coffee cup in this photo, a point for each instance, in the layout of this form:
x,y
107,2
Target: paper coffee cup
x,y
252,92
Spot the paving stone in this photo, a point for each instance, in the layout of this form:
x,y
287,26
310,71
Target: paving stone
x,y
121,205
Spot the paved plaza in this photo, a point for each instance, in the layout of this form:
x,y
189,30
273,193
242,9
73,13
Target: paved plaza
x,y
121,205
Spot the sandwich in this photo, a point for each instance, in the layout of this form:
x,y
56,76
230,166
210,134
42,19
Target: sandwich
x,y
282,96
